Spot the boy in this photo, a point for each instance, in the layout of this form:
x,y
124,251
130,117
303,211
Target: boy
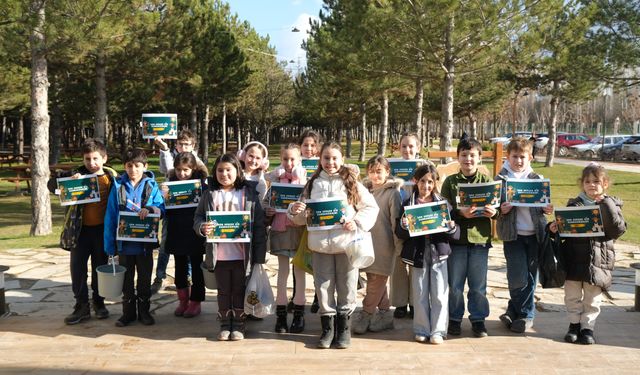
x,y
134,191
521,229
185,142
469,254
82,232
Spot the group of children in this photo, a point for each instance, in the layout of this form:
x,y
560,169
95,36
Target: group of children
x,y
428,273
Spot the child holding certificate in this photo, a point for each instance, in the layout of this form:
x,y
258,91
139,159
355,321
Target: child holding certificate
x,y
428,256
254,158
231,262
332,272
589,261
285,238
185,245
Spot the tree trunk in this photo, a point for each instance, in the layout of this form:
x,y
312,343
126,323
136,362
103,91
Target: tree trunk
x,y
56,135
349,139
238,131
100,125
384,123
514,115
224,126
193,121
363,131
18,142
473,121
204,135
418,100
339,132
553,116
4,132
446,129
40,202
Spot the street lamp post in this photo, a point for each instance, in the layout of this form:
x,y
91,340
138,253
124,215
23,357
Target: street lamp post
x,y
605,93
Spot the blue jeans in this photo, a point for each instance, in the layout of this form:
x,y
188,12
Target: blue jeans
x,y
522,273
468,263
430,294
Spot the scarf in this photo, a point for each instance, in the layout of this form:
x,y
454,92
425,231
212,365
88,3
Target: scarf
x,y
586,200
519,175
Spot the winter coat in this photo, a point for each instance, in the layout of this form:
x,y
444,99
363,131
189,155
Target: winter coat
x,y
591,259
506,224
147,188
386,246
335,241
437,244
72,224
254,251
181,238
476,230
166,160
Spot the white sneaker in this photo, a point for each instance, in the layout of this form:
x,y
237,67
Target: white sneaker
x,y
360,322
420,338
382,321
436,339
224,335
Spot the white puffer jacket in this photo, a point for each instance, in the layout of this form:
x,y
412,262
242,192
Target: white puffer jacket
x,y
335,241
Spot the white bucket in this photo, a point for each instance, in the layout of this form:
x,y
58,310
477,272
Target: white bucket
x,y
209,277
109,282
360,251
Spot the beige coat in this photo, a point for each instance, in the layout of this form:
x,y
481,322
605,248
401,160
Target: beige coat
x,y
386,245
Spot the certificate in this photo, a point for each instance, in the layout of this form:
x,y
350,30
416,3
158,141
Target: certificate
x,y
229,226
163,125
528,193
479,195
81,190
427,218
280,195
404,169
182,194
311,165
132,228
325,213
581,221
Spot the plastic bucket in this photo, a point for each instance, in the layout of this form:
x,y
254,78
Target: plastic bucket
x,y
110,283
360,251
209,277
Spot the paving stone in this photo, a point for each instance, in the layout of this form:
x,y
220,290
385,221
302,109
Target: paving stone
x,y
11,284
23,296
46,284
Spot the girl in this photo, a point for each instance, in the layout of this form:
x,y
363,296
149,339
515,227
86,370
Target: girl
x,y
331,268
231,262
285,238
255,162
185,245
589,260
428,255
386,191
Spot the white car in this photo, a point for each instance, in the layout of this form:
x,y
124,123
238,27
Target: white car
x,y
592,148
507,137
631,148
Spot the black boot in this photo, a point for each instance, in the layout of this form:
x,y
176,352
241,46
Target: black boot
x,y
100,309
128,312
143,312
327,332
315,306
573,333
81,311
297,325
343,340
281,322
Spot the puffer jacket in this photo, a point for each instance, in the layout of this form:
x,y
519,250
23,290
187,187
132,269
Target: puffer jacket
x,y
335,241
591,259
386,245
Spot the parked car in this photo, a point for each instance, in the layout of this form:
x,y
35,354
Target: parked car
x,y
613,152
507,137
590,149
631,148
542,139
565,141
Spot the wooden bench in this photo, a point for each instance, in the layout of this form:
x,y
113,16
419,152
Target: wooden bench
x,y
17,181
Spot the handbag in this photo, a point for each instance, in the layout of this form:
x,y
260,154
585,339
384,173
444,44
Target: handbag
x,y
303,258
551,272
360,250
258,297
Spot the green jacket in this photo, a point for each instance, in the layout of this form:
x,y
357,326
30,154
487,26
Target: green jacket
x,y
472,231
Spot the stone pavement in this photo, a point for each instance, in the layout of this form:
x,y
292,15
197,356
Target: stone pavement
x,y
34,339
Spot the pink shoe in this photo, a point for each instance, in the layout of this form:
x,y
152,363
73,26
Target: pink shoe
x,y
192,310
183,301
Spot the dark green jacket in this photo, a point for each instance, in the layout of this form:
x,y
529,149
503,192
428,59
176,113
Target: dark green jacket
x,y
472,231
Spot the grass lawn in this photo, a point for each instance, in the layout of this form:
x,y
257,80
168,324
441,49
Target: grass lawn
x,y
16,219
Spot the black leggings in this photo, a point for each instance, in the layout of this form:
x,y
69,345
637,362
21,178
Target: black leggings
x,y
230,276
182,275
142,265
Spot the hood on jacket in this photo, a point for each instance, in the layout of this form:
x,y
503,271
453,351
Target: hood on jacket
x,y
391,183
578,202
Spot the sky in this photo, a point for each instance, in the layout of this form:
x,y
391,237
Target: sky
x,y
276,18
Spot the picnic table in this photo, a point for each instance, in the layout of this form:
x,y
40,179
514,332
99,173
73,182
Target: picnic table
x,y
23,174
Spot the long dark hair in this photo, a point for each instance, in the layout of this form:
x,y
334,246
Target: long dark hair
x,y
233,160
346,174
423,170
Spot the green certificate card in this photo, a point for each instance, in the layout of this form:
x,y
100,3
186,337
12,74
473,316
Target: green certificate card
x,y
132,228
78,190
404,169
582,221
280,195
528,193
325,213
311,165
230,226
479,195
182,194
427,218
163,125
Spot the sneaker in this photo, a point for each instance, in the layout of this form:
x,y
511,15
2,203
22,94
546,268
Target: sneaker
x,y
573,333
81,311
157,285
521,325
436,339
100,310
455,328
400,312
381,321
360,322
478,329
420,338
506,320
586,337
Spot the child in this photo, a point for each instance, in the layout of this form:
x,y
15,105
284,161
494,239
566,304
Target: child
x,y
83,230
231,262
254,157
331,269
521,229
386,247
186,142
428,256
185,245
589,261
134,191
285,238
470,254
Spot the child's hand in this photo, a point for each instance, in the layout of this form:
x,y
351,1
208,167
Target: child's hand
x,y
165,191
548,209
553,227
269,211
143,213
297,207
161,143
451,224
489,211
404,222
76,176
505,208
206,228
468,212
350,225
